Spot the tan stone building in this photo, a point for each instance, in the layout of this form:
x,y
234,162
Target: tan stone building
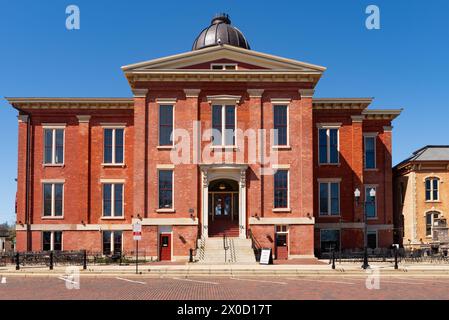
x,y
421,198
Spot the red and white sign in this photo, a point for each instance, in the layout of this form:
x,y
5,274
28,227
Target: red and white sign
x,y
137,231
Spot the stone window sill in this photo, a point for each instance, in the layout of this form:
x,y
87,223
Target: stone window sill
x,y
282,210
113,218
113,165
166,147
287,147
165,210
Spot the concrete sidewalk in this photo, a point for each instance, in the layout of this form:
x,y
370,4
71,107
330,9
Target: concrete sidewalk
x,y
235,269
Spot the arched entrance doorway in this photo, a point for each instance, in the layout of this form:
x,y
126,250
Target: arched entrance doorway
x,y
223,208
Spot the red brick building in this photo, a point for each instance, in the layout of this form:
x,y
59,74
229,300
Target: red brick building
x,y
218,140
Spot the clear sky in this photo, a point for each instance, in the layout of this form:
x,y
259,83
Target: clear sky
x,y
405,64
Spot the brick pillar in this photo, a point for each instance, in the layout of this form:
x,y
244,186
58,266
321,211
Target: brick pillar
x,y
23,237
255,204
187,117
83,177
21,168
385,137
306,152
140,153
357,165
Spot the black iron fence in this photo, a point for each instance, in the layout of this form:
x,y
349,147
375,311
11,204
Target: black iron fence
x,y
83,258
388,255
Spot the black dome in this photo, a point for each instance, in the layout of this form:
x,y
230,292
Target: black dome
x,y
220,32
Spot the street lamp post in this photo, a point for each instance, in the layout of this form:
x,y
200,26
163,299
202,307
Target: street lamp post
x,y
372,194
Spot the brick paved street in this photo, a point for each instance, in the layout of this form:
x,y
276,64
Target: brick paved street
x,y
225,288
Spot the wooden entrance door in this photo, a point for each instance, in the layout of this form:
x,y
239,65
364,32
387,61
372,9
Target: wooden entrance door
x,y
282,246
165,247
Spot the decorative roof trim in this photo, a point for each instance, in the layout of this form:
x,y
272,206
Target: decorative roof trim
x,y
178,58
382,114
341,103
70,103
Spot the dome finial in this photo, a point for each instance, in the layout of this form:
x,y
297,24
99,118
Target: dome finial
x,y
221,18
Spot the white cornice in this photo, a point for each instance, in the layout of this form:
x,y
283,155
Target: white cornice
x,y
306,93
139,93
192,93
83,118
255,93
224,99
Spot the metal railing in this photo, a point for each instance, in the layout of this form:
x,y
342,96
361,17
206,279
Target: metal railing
x,y
257,248
388,255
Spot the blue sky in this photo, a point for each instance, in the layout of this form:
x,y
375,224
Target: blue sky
x,y
403,65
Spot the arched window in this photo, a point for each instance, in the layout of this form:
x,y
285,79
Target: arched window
x,y
432,185
430,219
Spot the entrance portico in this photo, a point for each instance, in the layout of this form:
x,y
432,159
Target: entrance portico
x,y
223,206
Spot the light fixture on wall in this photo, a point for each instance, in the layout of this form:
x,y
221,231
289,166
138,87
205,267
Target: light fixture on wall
x,y
222,186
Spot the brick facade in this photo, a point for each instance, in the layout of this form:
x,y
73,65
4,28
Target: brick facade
x,y
260,81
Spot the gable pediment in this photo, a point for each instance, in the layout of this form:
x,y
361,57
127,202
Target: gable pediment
x,y
252,60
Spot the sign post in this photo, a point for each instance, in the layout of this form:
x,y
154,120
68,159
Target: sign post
x,y
137,236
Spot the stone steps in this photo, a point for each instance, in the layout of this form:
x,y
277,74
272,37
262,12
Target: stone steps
x,y
213,252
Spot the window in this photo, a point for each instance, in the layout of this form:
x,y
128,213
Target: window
x,y
112,200
430,220
328,145
281,228
281,189
370,203
52,241
113,145
329,240
329,198
165,125
53,146
53,199
370,152
432,189
112,242
216,66
165,189
372,239
223,125
281,125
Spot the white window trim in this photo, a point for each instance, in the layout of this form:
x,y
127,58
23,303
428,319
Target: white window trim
x,y
374,136
329,197
431,189
112,216
165,103
112,241
284,168
223,65
113,128
369,187
281,103
223,127
53,198
52,240
53,145
327,127
172,209
431,212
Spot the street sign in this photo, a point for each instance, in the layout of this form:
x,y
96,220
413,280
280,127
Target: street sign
x,y
265,256
137,231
